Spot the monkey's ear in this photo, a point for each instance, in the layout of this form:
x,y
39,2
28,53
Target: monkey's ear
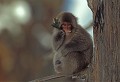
x,y
56,23
74,22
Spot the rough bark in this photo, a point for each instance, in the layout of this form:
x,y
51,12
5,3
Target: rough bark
x,y
106,61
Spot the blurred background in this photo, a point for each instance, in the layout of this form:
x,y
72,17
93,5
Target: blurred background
x,y
25,36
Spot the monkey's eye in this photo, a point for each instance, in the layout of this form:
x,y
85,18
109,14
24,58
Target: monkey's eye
x,y
69,25
66,25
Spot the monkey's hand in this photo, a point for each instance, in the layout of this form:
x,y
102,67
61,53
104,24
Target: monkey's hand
x,y
58,39
56,23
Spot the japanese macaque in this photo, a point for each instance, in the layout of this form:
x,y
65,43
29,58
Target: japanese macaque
x,y
72,45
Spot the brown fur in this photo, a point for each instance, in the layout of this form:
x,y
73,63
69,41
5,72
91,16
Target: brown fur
x,y
73,52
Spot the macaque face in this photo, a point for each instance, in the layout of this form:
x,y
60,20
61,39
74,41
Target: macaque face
x,y
67,27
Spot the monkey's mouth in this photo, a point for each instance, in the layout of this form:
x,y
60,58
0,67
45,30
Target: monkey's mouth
x,y
67,30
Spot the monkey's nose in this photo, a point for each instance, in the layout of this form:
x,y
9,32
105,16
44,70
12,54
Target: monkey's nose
x,y
58,62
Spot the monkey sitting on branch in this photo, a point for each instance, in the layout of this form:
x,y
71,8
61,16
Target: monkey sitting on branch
x,y
72,45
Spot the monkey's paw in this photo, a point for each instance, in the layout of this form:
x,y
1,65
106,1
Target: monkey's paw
x,y
79,76
56,23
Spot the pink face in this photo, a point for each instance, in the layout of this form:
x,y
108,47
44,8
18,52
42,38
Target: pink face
x,y
67,27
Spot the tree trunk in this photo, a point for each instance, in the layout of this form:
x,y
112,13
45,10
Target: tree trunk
x,y
106,60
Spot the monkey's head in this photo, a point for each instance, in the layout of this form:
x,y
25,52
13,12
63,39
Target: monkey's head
x,y
67,21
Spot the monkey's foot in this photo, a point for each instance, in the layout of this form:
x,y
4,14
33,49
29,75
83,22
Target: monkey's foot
x,y
79,76
84,76
75,77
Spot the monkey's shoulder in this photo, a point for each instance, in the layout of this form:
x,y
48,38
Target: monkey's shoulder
x,y
80,37
81,33
82,30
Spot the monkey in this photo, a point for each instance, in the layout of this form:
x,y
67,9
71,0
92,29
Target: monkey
x,y
72,46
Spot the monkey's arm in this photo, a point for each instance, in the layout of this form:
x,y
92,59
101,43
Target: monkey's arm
x,y
78,43
58,38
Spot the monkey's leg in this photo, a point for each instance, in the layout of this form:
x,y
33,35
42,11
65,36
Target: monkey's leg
x,y
75,63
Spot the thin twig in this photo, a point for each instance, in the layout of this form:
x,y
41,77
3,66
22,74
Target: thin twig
x,y
48,78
